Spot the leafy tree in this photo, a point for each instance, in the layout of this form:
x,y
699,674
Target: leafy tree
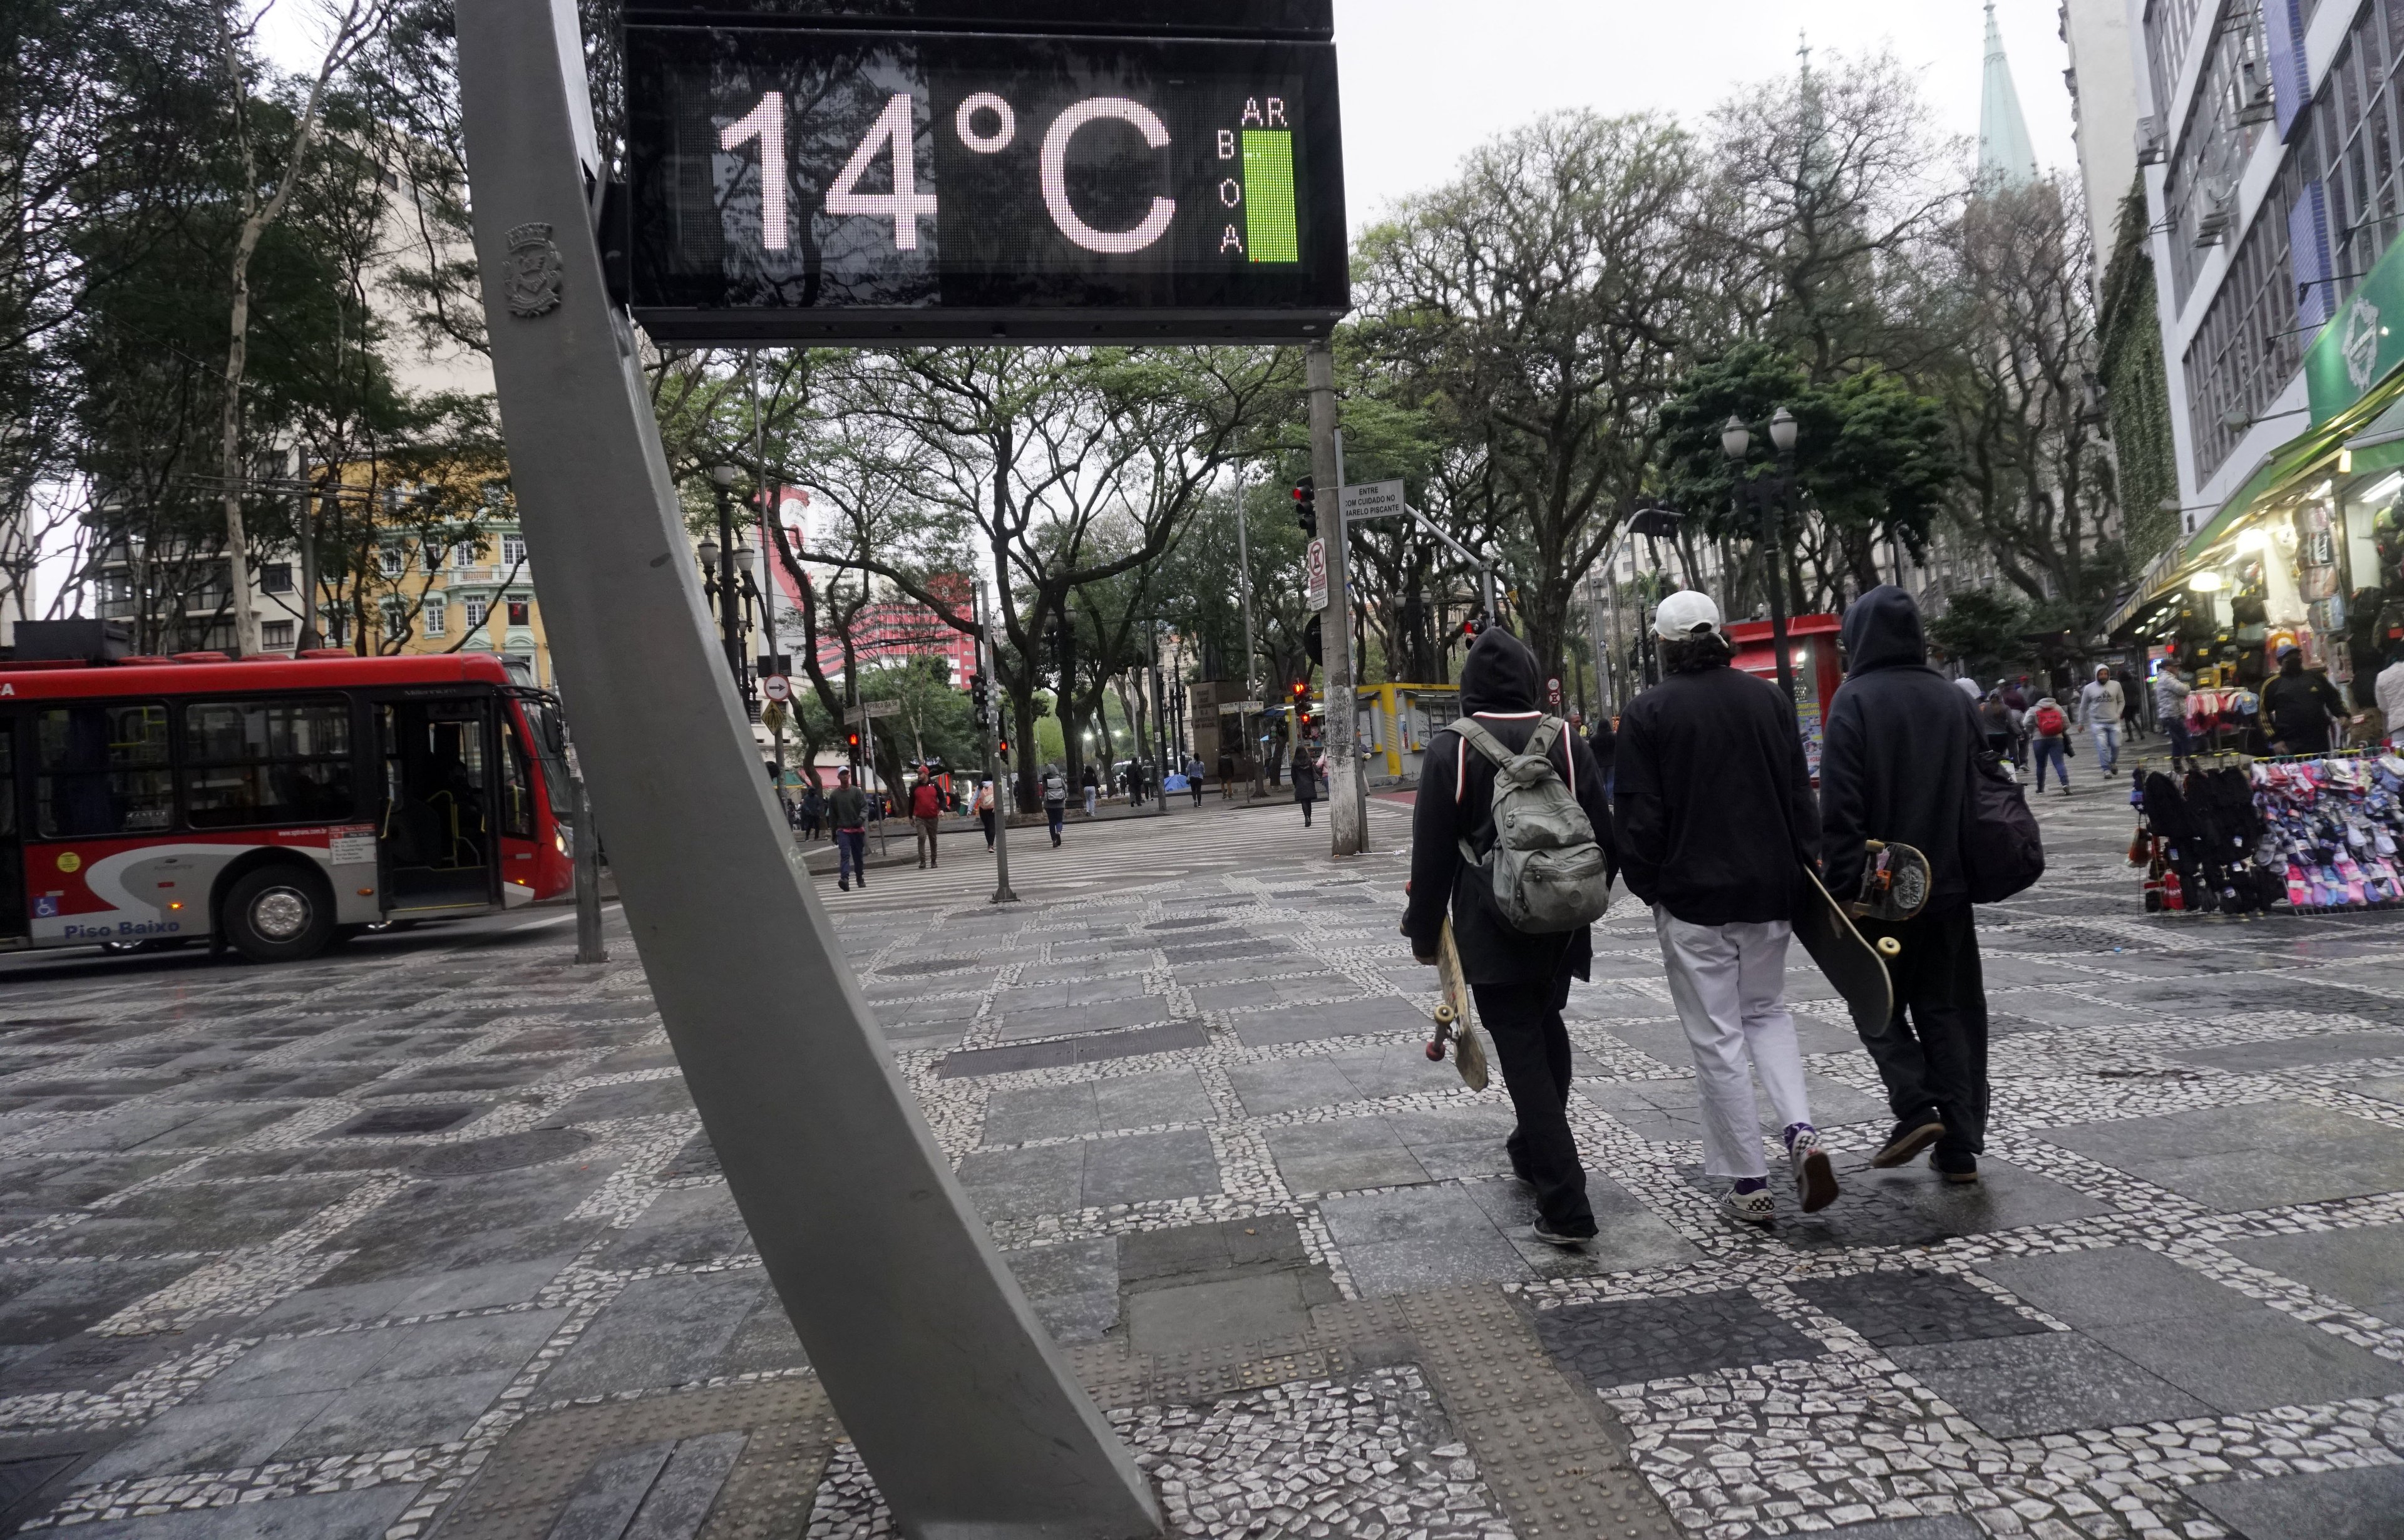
x,y
1530,308
1985,630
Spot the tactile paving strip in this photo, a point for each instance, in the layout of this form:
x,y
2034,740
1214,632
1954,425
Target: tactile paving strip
x,y
1538,1437
519,1493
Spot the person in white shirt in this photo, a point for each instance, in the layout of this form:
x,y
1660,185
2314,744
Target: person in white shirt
x,y
2099,706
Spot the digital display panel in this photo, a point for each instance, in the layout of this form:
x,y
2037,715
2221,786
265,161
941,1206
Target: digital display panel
x,y
821,184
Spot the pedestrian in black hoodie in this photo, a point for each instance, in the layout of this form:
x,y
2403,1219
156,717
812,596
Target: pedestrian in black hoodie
x,y
1520,982
1716,826
1896,766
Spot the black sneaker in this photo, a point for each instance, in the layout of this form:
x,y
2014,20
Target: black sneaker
x,y
1958,1169
843,883
1909,1138
1566,1242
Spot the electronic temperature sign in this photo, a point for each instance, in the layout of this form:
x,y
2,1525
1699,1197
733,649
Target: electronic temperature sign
x,y
801,185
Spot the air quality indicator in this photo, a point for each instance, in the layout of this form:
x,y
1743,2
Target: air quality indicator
x,y
1269,225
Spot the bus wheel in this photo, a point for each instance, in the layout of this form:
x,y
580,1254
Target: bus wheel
x,y
278,914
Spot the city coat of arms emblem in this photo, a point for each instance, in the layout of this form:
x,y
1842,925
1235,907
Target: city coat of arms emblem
x,y
531,283
2360,343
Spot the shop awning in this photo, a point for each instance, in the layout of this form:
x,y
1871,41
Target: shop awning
x,y
2369,430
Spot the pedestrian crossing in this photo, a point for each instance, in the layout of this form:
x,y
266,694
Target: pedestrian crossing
x,y
1112,854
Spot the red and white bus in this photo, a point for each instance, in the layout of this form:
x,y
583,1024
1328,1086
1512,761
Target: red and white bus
x,y
273,804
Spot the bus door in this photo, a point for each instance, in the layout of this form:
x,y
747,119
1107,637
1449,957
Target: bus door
x,y
436,835
12,842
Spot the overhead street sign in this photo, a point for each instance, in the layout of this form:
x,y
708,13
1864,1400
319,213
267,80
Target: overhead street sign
x,y
1375,501
1030,172
1230,708
872,709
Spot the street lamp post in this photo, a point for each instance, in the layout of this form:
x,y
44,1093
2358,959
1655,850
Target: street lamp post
x,y
1770,493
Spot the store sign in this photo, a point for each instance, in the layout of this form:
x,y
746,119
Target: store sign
x,y
828,178
2360,346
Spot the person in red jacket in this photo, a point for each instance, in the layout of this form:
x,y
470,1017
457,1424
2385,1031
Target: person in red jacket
x,y
926,815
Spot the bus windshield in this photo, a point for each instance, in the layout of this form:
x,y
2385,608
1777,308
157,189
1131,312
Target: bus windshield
x,y
543,720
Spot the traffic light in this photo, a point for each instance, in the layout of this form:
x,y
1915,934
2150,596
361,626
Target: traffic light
x,y
1302,704
855,745
1306,505
980,694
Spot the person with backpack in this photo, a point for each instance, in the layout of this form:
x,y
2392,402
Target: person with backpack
x,y
2049,734
1055,801
1716,829
1520,904
927,818
1896,766
984,809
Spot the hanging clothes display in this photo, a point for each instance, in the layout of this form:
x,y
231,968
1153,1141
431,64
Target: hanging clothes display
x,y
2316,835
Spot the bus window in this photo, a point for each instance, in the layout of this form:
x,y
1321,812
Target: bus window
x,y
517,783
550,751
102,770
268,762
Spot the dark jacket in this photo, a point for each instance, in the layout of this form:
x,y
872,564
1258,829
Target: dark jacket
x,y
1305,775
1604,743
848,807
1501,686
1714,798
2303,701
1895,763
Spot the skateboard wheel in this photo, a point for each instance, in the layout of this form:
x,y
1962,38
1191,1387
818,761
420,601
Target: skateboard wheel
x,y
1889,947
1444,1015
1435,1052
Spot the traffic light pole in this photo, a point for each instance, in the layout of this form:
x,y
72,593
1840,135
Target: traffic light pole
x,y
1004,801
1343,808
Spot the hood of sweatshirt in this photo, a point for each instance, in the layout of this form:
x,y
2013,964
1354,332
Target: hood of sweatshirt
x,y
1500,675
1883,631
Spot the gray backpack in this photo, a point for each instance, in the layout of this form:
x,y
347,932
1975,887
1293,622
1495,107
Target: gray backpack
x,y
1548,872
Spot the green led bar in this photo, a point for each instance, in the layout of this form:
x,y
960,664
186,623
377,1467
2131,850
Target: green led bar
x,y
1269,225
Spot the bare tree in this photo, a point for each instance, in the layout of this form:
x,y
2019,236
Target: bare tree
x,y
260,206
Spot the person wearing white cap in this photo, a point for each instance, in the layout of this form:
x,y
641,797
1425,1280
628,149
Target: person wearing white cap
x,y
1716,813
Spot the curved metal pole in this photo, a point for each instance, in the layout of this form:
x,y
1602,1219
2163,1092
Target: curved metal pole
x,y
965,1413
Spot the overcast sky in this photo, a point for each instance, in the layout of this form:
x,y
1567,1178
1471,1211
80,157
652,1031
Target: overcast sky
x,y
1425,80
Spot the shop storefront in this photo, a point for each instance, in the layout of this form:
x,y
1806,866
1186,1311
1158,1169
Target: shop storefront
x,y
2309,552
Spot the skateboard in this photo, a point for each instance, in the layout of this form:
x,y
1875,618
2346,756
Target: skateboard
x,y
1453,1019
1894,887
1856,968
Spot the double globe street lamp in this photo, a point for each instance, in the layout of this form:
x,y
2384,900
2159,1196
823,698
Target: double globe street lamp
x,y
1771,496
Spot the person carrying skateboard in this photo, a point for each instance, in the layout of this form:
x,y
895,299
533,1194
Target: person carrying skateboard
x,y
1519,980
1715,818
1896,766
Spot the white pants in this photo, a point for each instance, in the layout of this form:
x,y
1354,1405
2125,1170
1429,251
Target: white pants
x,y
1729,982
1089,801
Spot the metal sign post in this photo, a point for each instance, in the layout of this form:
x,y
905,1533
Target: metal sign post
x,y
1002,801
966,1415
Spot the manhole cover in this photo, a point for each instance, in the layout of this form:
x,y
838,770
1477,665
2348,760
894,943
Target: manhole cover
x,y
505,1154
931,965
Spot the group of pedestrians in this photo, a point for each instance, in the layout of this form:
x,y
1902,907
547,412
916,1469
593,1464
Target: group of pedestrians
x,y
1710,821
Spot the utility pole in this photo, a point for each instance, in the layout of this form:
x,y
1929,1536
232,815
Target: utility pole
x,y
1002,802
1159,730
589,949
1244,732
1344,812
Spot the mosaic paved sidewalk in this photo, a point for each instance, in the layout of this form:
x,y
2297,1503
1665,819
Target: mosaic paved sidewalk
x,y
421,1237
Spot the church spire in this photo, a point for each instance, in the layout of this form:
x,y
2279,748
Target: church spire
x,y
2005,157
